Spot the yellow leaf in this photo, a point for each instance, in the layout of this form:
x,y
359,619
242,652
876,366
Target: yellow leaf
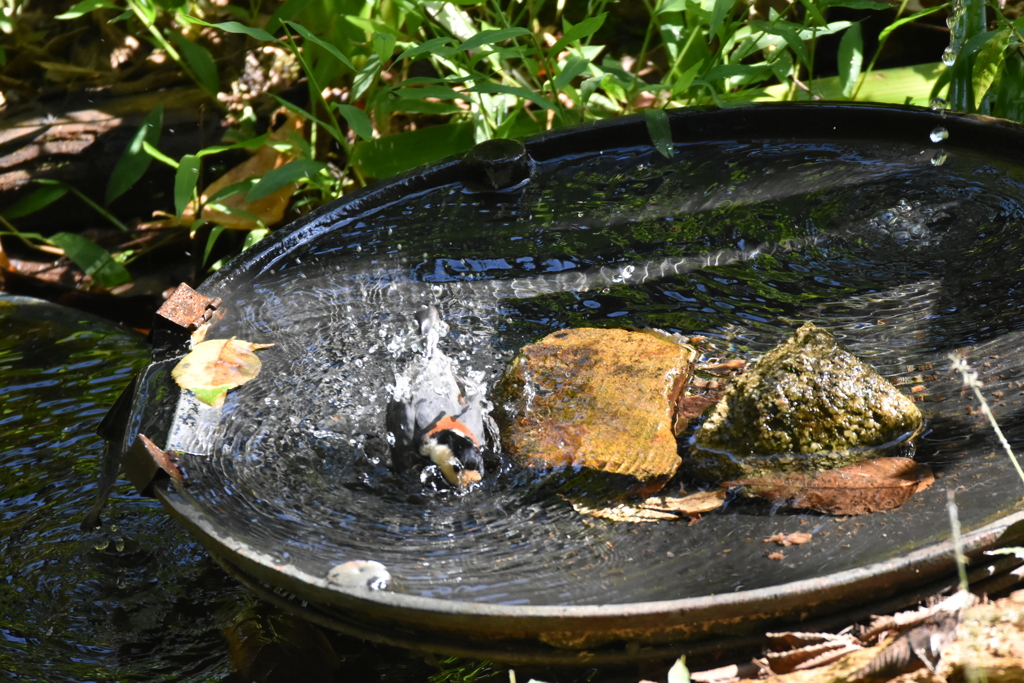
x,y
213,367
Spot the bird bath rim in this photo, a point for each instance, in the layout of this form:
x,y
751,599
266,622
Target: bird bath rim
x,y
577,630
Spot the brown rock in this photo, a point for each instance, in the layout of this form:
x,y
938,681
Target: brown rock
x,y
597,404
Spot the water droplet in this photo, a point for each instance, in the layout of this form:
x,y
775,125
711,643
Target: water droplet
x,y
102,544
121,582
939,134
949,56
938,104
939,158
119,544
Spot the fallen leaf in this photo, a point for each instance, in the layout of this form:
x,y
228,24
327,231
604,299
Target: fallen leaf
x,y
776,556
796,538
690,407
797,651
857,489
213,367
240,214
656,508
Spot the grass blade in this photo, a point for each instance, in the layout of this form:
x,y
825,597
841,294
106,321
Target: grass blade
x,y
133,163
92,258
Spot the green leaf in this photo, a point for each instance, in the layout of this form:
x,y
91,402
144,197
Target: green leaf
x,y
357,120
685,80
365,78
988,64
854,4
133,163
289,10
745,70
158,155
495,88
185,182
906,20
251,143
215,232
233,188
574,66
814,12
384,45
238,27
851,59
584,29
302,112
84,7
92,258
588,88
491,36
812,32
439,46
254,236
201,61
274,180
440,92
789,35
413,106
393,154
38,199
660,131
718,12
307,35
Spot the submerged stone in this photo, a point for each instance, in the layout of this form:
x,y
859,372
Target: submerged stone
x,y
595,406
808,405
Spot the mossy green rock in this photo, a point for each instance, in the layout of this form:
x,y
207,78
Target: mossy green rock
x,y
806,406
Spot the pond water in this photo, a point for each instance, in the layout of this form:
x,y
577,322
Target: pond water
x,y
136,599
903,259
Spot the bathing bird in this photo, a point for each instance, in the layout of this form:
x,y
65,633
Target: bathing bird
x,y
437,417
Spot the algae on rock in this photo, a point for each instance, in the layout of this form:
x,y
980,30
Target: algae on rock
x,y
806,406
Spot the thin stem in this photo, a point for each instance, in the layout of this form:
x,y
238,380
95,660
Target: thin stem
x,y
56,251
874,58
970,377
958,545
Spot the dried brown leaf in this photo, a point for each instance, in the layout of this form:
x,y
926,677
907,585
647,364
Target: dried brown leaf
x,y
861,488
656,508
215,366
795,538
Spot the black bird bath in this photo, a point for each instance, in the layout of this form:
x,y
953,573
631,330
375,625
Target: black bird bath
x,y
898,229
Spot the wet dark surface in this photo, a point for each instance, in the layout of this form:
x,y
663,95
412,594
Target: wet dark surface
x,y
903,260
135,599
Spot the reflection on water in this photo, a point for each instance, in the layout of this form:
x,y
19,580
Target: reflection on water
x,y
135,599
743,242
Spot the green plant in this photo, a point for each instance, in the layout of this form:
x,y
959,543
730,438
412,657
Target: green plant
x,y
395,84
985,71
